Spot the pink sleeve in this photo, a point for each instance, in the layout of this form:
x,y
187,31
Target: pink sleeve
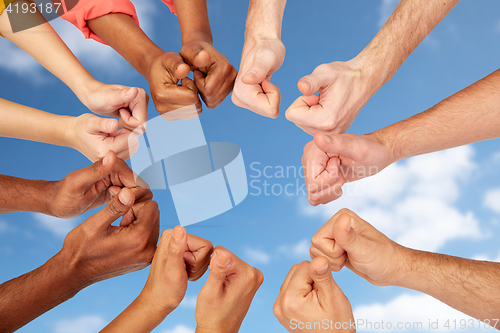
x,y
170,4
89,9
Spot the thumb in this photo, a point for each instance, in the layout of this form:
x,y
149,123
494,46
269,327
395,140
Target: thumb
x,y
260,68
319,270
106,125
196,55
89,176
220,265
335,144
118,206
176,249
345,232
128,94
310,84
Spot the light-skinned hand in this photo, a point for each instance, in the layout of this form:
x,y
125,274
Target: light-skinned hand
x,y
343,90
99,250
347,240
331,160
128,104
94,137
253,89
308,295
224,300
213,74
179,257
90,187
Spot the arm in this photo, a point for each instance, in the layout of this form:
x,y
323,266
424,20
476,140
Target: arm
x,y
345,87
469,286
180,257
263,54
213,74
470,115
46,47
78,192
93,251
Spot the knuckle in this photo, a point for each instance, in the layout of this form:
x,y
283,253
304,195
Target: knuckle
x,y
114,208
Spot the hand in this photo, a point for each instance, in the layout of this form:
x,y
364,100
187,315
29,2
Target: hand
x,y
129,105
344,88
253,89
342,159
90,187
213,74
308,295
349,240
180,257
225,298
165,71
98,250
94,137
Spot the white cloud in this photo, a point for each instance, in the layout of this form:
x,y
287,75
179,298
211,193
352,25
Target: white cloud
x,y
414,202
4,227
257,256
491,200
59,227
189,302
485,257
84,324
385,10
180,329
299,250
409,309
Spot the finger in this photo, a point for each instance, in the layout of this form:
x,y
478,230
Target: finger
x,y
254,98
117,207
318,79
324,240
220,266
176,249
103,125
217,84
287,278
327,289
260,69
346,230
137,111
337,144
90,176
195,55
301,282
197,256
176,66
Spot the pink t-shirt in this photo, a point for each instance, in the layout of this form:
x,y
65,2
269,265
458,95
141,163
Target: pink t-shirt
x,y
90,9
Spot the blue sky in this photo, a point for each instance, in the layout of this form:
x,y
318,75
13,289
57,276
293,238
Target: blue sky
x,y
446,202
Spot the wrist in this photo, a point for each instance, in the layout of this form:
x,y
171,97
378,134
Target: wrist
x,y
198,36
67,273
387,143
155,308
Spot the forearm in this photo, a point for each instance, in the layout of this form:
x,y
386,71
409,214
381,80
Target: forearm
x,y
120,31
26,297
24,195
193,21
140,316
46,47
471,115
264,19
23,122
409,24
470,286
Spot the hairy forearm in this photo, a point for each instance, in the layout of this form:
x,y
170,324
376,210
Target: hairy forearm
x,y
122,33
23,195
46,47
409,24
471,115
26,297
193,20
470,286
23,122
140,316
264,19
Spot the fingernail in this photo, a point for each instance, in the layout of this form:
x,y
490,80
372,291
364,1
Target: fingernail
x,y
179,233
323,269
106,159
124,198
308,85
327,139
252,74
349,226
223,260
113,191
